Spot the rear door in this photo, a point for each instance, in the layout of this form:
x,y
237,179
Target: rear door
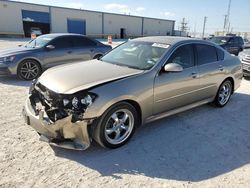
x,y
84,48
210,67
232,45
176,89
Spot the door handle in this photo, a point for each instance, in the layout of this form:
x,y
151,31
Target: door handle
x,y
69,52
91,50
221,68
194,75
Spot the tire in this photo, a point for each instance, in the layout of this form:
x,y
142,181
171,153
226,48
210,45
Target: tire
x,y
224,93
98,56
29,70
114,128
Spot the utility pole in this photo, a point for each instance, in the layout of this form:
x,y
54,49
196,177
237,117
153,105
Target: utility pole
x,y
225,24
194,30
228,15
183,25
204,26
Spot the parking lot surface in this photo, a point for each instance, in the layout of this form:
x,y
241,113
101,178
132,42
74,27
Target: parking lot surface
x,y
202,147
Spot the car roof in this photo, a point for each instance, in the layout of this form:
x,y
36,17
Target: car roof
x,y
227,36
53,35
171,40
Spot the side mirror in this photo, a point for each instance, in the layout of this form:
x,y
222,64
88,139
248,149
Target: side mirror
x,y
173,67
50,47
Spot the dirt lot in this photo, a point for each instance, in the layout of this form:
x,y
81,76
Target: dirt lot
x,y
203,147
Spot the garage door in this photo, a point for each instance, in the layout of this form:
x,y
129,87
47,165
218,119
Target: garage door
x,y
77,26
35,20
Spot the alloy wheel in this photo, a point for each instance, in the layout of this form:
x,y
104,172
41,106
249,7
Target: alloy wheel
x,y
119,126
29,70
225,93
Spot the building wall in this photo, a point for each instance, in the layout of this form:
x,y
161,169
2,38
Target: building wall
x,y
97,23
113,24
11,16
157,27
59,17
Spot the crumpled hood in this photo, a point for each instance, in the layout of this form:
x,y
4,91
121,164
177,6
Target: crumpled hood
x,y
13,51
71,78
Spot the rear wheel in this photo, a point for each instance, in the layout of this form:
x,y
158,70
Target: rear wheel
x,y
117,125
224,93
29,70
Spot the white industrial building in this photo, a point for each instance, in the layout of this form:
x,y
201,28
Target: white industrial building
x,y
18,18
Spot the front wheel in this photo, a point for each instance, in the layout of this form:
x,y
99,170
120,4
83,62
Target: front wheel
x,y
117,125
29,70
224,94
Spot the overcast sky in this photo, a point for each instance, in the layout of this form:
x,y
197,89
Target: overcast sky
x,y
193,10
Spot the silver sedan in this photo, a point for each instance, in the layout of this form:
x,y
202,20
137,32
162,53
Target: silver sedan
x,y
138,82
30,60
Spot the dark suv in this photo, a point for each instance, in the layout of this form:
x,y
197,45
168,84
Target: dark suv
x,y
233,44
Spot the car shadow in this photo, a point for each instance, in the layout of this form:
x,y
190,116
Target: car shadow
x,y
14,81
195,145
247,78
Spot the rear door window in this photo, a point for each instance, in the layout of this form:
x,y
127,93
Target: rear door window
x,y
81,42
240,41
205,54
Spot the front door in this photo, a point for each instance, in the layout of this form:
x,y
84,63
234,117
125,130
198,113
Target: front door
x,y
63,52
177,89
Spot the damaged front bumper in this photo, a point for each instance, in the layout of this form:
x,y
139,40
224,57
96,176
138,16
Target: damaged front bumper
x,y
62,133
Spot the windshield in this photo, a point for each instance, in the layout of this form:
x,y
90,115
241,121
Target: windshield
x,y
219,40
138,55
38,42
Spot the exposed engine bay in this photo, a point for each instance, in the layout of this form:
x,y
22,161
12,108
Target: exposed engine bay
x,y
61,116
59,106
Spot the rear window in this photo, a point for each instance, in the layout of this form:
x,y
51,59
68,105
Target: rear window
x,y
205,54
220,54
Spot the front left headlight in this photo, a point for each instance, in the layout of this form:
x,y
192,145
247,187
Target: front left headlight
x,y
7,59
79,102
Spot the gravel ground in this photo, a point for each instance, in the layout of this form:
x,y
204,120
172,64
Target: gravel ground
x,y
203,147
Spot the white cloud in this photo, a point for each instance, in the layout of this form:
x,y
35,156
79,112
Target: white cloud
x,y
115,6
123,9
140,9
167,14
118,8
75,5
